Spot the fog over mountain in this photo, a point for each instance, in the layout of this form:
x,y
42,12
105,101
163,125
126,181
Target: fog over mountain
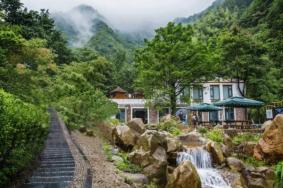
x,y
129,15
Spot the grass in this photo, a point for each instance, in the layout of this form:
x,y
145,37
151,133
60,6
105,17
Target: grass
x,y
249,160
125,165
245,137
279,174
170,126
107,151
215,135
202,130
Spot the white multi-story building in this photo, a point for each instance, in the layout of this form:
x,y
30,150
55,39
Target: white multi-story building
x,y
217,90
134,105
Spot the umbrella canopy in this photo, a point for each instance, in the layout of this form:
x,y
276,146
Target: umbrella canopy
x,y
239,102
204,107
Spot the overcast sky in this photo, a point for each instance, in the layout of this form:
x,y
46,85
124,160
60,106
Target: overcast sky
x,y
129,14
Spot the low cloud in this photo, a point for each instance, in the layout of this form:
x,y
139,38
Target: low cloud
x,y
129,15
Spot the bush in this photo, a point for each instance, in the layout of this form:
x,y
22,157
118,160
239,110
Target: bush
x,y
216,135
202,130
170,126
245,137
23,129
126,165
279,174
114,122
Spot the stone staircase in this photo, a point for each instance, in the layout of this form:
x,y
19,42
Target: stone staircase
x,y
57,164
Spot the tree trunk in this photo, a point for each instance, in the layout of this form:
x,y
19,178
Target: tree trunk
x,y
173,104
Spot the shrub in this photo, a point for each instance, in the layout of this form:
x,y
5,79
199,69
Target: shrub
x,y
245,137
23,129
170,126
202,130
126,165
279,174
114,122
216,135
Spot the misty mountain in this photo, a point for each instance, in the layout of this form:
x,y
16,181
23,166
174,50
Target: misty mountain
x,y
230,5
78,24
192,19
84,26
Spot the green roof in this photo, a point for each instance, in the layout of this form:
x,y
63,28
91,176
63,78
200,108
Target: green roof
x,y
239,102
204,107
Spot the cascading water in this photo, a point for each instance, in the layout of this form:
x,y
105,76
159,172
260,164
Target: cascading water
x,y
201,159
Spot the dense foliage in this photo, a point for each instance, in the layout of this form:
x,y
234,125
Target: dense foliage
x,y
246,39
117,47
170,63
23,128
279,174
38,68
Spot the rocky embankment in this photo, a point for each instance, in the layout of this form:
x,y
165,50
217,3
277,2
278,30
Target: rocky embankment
x,y
156,152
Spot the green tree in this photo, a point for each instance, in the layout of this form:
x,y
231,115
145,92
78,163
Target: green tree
x,y
172,61
241,57
36,24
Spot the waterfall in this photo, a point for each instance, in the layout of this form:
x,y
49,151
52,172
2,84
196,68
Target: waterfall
x,y
201,159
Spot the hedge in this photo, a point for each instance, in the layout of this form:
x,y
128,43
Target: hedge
x,y
23,129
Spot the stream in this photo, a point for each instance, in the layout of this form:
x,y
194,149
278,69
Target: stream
x,y
201,159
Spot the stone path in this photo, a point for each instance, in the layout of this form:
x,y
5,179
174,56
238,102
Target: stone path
x,y
57,164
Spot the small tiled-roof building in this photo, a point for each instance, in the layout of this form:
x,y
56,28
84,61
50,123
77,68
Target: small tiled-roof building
x,y
119,93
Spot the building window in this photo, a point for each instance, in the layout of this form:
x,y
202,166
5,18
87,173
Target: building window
x,y
227,91
141,113
121,116
197,94
229,114
214,93
213,116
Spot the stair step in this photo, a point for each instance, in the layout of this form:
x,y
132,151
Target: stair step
x,y
44,179
55,169
59,173
68,157
57,162
48,185
57,165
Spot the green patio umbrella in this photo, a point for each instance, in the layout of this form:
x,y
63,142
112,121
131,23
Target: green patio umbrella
x,y
204,107
239,102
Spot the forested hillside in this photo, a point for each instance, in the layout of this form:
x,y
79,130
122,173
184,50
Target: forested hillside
x,y
246,37
84,27
37,70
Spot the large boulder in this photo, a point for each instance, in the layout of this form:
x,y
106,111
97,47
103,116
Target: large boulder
x,y
137,125
150,140
247,148
184,176
192,139
266,124
235,164
173,145
262,177
228,141
217,154
236,179
270,146
154,164
140,157
124,136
